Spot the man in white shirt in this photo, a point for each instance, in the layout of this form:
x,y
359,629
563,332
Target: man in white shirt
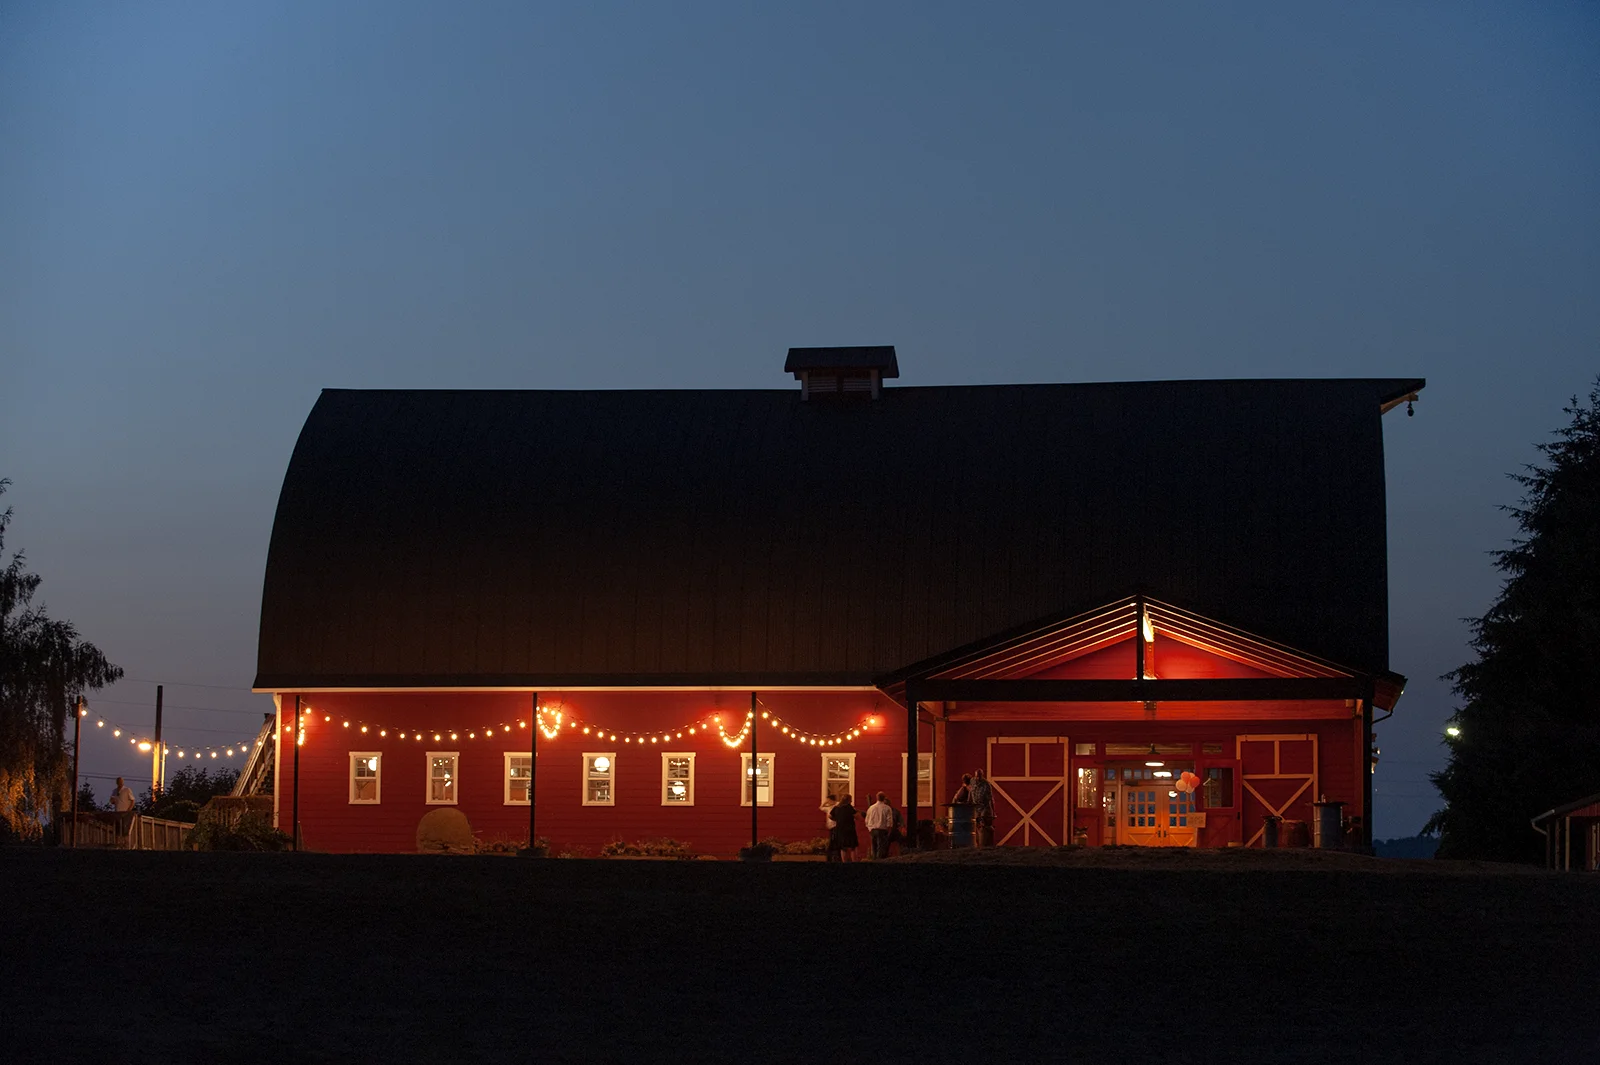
x,y
122,803
880,822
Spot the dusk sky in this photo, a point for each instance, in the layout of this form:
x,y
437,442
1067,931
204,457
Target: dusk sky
x,y
209,212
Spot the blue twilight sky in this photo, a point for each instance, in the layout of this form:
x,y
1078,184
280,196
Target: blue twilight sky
x,y
208,212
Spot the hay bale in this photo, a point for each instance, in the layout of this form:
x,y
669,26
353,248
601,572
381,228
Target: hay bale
x,y
445,831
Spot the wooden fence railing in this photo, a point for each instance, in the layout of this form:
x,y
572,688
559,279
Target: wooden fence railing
x,y
144,834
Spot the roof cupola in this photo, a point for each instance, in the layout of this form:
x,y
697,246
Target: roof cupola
x,y
842,371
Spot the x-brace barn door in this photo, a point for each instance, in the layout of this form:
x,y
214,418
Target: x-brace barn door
x,y
1031,797
1279,777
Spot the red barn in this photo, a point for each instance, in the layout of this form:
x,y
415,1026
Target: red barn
x,y
1086,590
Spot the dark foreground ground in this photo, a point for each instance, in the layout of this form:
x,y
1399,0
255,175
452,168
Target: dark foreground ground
x,y
113,957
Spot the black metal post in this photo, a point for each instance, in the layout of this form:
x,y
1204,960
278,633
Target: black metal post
x,y
755,773
533,770
294,827
912,727
77,747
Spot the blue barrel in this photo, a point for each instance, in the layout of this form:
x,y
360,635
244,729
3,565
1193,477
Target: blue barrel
x,y
960,823
1329,824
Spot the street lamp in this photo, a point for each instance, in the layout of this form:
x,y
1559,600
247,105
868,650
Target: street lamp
x,y
1453,732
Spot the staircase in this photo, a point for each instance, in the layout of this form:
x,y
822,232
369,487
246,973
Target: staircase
x,y
256,776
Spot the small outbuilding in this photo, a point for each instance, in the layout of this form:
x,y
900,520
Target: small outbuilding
x,y
1572,835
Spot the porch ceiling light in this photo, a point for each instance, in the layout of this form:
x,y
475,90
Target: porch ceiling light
x,y
1154,761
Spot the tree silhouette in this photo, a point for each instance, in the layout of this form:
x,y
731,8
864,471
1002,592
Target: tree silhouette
x,y
44,668
1527,736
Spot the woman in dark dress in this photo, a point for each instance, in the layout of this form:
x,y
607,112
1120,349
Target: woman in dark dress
x,y
843,817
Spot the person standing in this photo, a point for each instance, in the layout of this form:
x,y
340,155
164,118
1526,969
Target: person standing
x,y
843,816
983,807
831,829
122,803
880,823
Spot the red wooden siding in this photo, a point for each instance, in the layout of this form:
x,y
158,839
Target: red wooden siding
x,y
717,823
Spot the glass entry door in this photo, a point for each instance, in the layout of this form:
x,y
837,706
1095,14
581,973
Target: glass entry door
x,y
1155,814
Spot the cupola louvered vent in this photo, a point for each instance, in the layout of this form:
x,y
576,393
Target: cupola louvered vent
x,y
824,372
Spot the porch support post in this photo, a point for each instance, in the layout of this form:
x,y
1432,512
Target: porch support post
x,y
912,727
1138,638
1366,792
294,815
941,767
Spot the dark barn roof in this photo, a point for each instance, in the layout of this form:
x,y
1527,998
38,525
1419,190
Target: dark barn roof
x,y
546,539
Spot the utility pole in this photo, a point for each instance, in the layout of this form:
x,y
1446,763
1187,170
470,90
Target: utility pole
x,y
77,748
157,763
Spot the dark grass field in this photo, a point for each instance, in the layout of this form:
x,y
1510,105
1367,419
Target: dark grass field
x,y
116,957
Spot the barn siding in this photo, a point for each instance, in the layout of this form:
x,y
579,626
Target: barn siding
x,y
716,824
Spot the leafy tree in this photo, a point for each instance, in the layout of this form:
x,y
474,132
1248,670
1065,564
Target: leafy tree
x,y
44,668
86,799
1528,733
186,792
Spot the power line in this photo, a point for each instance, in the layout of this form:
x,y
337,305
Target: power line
x,y
180,684
173,706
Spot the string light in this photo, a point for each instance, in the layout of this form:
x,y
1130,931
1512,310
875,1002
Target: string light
x,y
551,721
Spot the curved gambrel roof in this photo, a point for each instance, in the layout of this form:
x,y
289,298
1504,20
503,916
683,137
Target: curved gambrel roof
x,y
747,538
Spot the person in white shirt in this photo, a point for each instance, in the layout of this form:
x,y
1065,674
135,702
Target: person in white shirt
x,y
880,822
122,803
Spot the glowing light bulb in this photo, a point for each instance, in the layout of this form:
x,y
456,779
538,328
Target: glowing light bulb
x,y
327,717
230,752
383,732
347,724
116,732
144,746
363,728
99,724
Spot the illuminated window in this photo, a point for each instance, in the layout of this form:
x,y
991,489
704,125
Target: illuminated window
x,y
1216,787
442,778
519,771
1083,750
677,778
924,780
364,776
763,778
599,773
838,776
1088,788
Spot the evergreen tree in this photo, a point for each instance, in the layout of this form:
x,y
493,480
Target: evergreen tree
x,y
1527,736
44,668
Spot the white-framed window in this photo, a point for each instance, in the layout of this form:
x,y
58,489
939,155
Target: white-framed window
x,y
519,772
677,778
924,780
599,778
442,779
838,775
763,775
365,779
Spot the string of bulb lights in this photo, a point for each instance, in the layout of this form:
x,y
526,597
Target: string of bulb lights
x,y
145,744
554,722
